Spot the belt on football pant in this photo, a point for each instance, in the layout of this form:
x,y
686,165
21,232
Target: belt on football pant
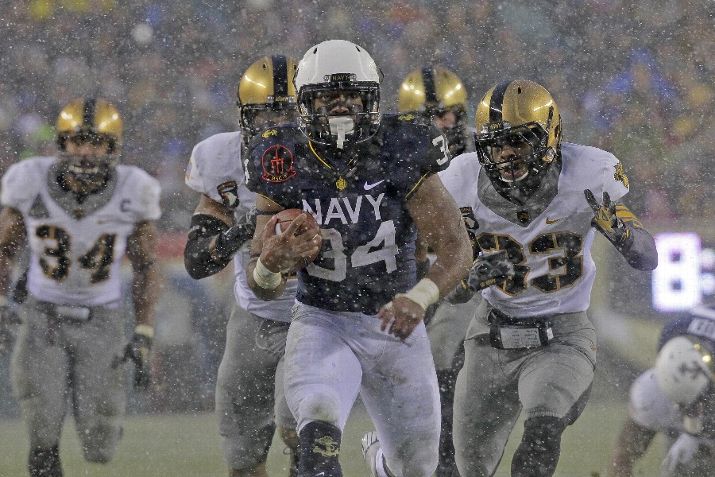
x,y
508,332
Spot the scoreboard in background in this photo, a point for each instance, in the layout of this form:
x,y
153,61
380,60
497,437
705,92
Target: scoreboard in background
x,y
686,272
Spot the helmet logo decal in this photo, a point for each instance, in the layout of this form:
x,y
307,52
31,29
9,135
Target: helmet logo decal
x,y
229,193
277,164
620,175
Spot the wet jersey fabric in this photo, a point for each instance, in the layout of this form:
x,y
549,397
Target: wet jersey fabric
x,y
77,247
548,238
359,200
215,169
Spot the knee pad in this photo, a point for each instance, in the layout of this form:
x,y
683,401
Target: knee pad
x,y
44,462
321,406
319,449
540,447
247,449
99,443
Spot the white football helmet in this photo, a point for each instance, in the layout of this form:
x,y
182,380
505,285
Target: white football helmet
x,y
684,370
342,72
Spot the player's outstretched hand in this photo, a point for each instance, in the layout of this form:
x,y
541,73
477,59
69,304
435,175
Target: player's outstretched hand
x,y
8,323
605,219
400,316
284,252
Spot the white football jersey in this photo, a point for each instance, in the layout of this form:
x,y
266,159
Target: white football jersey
x,y
215,169
650,407
76,249
551,249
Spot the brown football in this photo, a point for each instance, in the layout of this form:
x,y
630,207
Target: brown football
x,y
285,217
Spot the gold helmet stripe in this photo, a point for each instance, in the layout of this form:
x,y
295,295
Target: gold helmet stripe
x,y
496,102
280,76
88,112
430,90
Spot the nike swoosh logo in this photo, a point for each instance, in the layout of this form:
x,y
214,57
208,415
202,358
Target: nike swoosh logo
x,y
553,221
371,186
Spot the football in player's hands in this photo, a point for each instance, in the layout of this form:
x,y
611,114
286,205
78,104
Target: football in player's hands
x,y
284,219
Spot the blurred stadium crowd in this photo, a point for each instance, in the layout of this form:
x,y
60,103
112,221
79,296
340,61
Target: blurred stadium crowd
x,y
629,78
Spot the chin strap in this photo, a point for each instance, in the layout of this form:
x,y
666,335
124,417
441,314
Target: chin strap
x,y
340,126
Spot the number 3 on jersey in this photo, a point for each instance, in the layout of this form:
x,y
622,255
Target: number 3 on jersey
x,y
362,255
56,259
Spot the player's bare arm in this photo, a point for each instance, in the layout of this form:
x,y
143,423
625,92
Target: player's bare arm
x,y
141,251
12,239
272,255
214,238
623,229
633,441
439,223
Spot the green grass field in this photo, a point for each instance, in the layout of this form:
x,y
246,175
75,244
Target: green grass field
x,y
189,446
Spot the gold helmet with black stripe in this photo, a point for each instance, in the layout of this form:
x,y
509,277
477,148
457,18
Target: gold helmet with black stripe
x,y
266,95
438,95
518,133
92,121
90,118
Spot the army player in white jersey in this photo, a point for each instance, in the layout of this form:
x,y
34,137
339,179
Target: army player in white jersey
x,y
249,383
530,203
437,96
80,212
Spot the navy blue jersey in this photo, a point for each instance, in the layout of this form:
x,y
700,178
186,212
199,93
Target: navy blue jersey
x,y
700,323
358,197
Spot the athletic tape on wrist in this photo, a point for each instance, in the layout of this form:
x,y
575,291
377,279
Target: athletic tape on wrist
x,y
144,330
425,293
265,278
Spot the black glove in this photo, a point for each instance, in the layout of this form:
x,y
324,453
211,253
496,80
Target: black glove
x,y
490,269
138,350
607,222
8,322
230,240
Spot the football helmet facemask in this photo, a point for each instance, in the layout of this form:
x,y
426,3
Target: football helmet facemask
x,y
95,122
518,134
338,86
434,93
266,95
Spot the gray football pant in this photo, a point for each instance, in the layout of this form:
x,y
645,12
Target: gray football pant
x,y
57,360
494,385
446,330
249,388
333,356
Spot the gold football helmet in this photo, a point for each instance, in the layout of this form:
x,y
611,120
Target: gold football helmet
x,y
518,133
90,121
432,92
266,95
89,118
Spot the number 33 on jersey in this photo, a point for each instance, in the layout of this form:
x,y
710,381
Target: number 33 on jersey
x,y
77,248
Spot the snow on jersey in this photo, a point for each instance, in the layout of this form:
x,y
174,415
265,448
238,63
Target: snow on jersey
x,y
554,271
75,257
358,198
215,170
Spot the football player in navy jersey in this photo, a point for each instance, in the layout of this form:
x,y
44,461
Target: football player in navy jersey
x,y
370,183
675,398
